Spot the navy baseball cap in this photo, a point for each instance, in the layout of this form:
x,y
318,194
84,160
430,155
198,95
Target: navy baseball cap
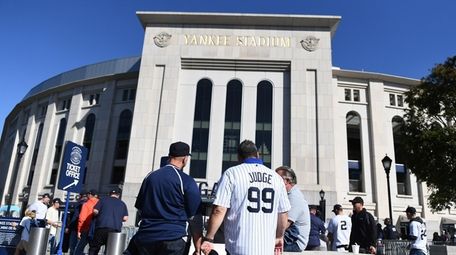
x,y
179,149
411,210
357,200
337,207
115,191
92,192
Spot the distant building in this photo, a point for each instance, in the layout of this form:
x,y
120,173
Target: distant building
x,y
212,80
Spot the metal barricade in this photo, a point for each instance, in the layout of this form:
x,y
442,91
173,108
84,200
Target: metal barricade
x,y
116,243
38,241
395,247
129,232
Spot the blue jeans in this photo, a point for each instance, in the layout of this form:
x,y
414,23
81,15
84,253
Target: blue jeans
x,y
293,247
82,243
73,242
416,252
53,246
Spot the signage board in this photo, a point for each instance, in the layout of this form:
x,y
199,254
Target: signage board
x,y
8,235
72,168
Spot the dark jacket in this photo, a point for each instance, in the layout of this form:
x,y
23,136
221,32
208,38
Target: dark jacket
x,y
364,230
390,232
317,227
167,199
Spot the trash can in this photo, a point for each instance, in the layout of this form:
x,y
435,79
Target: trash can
x,y
38,241
116,243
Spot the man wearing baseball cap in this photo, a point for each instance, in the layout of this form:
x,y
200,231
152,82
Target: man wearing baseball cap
x,y
364,228
417,233
85,218
339,229
167,199
109,212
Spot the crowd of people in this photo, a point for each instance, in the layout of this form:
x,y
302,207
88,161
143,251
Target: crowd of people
x,y
90,223
261,211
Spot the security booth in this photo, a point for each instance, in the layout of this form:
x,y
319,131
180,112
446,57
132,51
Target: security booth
x,y
402,226
447,224
207,199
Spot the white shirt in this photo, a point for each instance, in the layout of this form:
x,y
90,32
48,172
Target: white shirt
x,y
254,195
340,228
52,214
39,208
418,229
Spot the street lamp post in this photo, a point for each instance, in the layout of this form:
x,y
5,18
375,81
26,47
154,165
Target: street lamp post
x,y
322,205
386,162
21,149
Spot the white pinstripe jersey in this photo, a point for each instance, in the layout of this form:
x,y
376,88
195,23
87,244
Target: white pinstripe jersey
x,y
254,195
340,227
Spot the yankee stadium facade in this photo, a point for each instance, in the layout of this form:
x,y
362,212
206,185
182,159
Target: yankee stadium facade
x,y
213,80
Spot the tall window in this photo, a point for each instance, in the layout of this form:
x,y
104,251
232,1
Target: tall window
x,y
232,131
64,104
58,151
88,133
402,174
263,134
121,151
200,138
36,149
354,149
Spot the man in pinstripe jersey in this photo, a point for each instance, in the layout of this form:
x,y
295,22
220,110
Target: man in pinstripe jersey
x,y
253,201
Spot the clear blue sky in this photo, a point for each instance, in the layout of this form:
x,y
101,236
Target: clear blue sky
x,y
40,39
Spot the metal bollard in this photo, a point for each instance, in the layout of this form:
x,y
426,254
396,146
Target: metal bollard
x,y
38,241
116,243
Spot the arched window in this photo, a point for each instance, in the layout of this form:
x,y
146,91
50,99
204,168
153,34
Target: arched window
x,y
36,149
88,133
402,173
354,148
201,121
121,151
263,134
58,151
232,130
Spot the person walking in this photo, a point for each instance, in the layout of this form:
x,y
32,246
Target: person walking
x,y
317,228
84,221
40,207
252,201
298,225
389,231
339,229
167,199
364,228
53,223
417,233
27,222
72,227
110,212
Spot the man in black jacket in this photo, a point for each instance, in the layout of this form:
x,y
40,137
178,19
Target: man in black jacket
x,y
364,231
389,231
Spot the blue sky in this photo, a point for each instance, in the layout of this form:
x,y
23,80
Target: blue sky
x,y
40,39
